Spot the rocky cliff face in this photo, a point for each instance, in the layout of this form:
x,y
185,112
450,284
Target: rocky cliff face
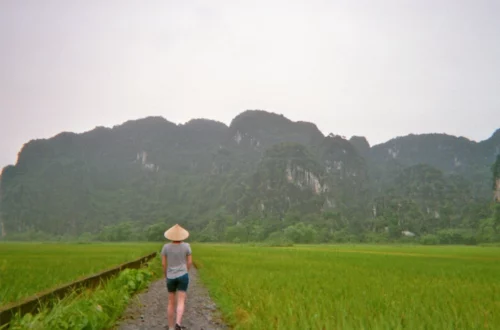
x,y
496,194
496,179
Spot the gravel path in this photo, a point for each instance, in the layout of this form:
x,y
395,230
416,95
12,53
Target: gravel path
x,y
148,310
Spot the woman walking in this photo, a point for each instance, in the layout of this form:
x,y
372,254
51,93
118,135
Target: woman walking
x,y
176,261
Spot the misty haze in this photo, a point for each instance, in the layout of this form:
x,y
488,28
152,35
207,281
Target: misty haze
x,y
249,165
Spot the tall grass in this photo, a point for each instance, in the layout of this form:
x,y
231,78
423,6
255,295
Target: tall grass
x,y
27,268
92,309
353,287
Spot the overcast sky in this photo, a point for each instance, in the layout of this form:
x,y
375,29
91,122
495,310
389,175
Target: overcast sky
x,y
378,68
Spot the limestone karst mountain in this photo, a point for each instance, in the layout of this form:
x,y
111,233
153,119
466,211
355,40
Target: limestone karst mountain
x,y
260,170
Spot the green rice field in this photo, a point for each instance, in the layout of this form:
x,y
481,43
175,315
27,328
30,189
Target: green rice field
x,y
300,287
353,287
27,268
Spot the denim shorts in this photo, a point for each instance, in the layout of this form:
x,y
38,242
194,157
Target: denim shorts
x,y
178,284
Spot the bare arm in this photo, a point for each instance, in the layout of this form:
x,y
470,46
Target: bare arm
x,y
164,264
189,261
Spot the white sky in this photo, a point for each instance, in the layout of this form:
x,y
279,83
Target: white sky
x,y
380,69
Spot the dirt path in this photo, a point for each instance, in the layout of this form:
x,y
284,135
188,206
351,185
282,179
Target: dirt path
x,y
148,310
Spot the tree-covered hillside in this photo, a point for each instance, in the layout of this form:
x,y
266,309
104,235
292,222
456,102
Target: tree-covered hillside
x,y
450,154
263,176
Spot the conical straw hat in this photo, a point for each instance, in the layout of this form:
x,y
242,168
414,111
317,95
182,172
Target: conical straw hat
x,y
176,233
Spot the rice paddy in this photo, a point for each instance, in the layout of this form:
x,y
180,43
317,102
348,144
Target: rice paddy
x,y
300,287
27,268
353,287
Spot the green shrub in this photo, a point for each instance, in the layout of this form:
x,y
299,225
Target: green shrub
x,y
429,239
372,237
278,239
456,236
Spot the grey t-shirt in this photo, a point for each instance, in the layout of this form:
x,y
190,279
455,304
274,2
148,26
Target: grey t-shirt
x,y
176,258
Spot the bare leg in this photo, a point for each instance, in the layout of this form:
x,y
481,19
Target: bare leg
x,y
171,309
181,298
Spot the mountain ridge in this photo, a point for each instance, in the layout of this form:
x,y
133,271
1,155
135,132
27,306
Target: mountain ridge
x,y
260,166
494,135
